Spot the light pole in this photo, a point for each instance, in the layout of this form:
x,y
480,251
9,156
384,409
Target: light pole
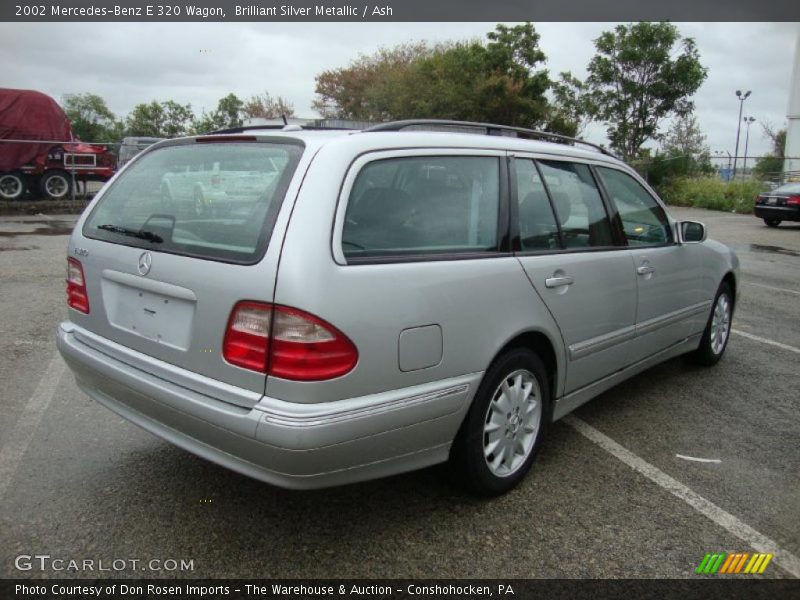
x,y
742,98
747,121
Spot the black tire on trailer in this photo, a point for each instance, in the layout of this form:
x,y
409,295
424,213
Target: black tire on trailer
x,y
12,185
772,222
56,184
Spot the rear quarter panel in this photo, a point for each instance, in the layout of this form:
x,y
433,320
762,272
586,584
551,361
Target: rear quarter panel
x,y
480,304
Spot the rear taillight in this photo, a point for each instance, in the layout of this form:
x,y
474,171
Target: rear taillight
x,y
793,201
306,348
287,343
77,297
246,339
757,199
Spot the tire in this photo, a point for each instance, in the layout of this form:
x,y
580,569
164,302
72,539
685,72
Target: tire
x,y
495,447
772,222
718,329
56,185
12,186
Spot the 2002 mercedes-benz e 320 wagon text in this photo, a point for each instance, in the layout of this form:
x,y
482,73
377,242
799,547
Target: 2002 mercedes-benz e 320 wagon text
x,y
314,308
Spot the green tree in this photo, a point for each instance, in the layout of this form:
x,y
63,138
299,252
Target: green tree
x,y
228,114
641,74
571,109
772,163
370,88
91,119
265,106
683,153
499,81
159,119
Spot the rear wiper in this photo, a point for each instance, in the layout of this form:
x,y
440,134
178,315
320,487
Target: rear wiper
x,y
137,233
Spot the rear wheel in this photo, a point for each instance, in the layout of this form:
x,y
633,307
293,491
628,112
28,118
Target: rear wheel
x,y
56,185
772,222
12,186
505,424
717,331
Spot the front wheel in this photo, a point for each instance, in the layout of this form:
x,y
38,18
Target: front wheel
x,y
772,222
505,424
717,331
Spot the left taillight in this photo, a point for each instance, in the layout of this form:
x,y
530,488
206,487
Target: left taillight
x,y
77,297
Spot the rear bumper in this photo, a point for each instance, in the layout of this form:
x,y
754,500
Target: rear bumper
x,y
782,213
290,445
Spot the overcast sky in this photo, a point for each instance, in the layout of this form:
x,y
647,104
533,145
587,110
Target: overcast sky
x,y
129,63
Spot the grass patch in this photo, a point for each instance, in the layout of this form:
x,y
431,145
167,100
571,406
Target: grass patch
x,y
711,193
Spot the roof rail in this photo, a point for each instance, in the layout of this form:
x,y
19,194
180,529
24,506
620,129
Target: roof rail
x,y
276,127
490,129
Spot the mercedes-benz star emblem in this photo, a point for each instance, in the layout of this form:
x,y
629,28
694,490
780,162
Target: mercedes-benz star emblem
x,y
145,261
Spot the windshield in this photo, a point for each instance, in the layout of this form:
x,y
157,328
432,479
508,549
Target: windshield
x,y
216,201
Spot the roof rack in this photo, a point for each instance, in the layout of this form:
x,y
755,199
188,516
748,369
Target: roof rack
x,y
276,127
489,128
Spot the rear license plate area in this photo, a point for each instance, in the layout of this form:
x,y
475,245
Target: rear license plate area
x,y
162,318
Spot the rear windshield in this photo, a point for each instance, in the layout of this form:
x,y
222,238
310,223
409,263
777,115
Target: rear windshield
x,y
215,201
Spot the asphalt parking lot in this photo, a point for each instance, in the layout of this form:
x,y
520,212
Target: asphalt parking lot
x,y
77,482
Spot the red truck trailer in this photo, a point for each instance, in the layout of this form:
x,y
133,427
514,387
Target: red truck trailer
x,y
38,152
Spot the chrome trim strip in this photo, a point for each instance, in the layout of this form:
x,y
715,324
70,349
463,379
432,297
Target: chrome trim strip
x,y
574,399
601,342
366,409
150,285
651,325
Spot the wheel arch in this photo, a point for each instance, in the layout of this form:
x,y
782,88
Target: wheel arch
x,y
730,279
542,345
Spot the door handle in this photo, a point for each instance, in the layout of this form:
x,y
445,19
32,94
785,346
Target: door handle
x,y
645,270
553,282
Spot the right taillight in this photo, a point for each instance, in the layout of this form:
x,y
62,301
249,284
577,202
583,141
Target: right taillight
x,y
286,342
793,201
77,297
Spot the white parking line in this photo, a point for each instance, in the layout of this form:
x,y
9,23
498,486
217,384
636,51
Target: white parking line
x,y
757,338
788,561
696,459
772,287
19,438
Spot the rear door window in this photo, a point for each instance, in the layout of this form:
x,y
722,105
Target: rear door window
x,y
423,205
537,224
643,220
215,201
578,204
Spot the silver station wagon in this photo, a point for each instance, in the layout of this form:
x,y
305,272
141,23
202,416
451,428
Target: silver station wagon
x,y
383,300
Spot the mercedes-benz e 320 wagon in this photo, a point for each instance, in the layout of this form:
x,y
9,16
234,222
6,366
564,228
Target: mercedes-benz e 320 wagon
x,y
382,300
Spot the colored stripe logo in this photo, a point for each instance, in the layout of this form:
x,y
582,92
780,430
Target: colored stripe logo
x,y
734,563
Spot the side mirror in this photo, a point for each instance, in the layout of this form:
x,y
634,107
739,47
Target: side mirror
x,y
692,232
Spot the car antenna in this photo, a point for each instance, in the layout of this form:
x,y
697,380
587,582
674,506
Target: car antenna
x,y
285,120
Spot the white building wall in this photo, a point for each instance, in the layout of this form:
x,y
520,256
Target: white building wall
x,y
793,116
